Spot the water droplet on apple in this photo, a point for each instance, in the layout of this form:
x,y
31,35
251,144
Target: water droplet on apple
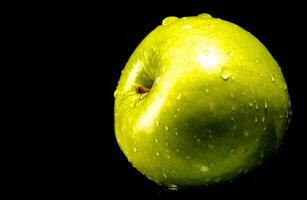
x,y
186,27
218,179
156,140
231,118
207,90
231,53
280,116
168,156
172,187
246,133
211,106
176,133
231,150
205,52
166,128
135,149
157,153
266,105
115,93
234,127
210,146
273,78
157,123
204,168
179,97
256,119
187,157
256,61
166,144
262,118
225,75
198,140
256,106
178,109
158,80
209,131
178,150
164,174
205,15
231,94
175,115
233,108
264,128
250,104
169,20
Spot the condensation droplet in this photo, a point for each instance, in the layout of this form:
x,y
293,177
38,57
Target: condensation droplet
x,y
164,174
264,128
135,149
158,80
231,94
205,15
246,133
115,93
166,128
175,115
157,123
204,168
186,27
177,150
210,146
250,104
172,187
168,156
179,97
231,53
178,109
256,119
256,61
273,78
187,157
262,119
156,140
266,105
233,108
176,133
157,153
231,118
205,52
166,144
225,75
169,20
285,86
256,106
198,140
207,90
231,150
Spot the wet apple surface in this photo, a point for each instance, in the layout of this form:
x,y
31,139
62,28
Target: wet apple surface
x,y
200,101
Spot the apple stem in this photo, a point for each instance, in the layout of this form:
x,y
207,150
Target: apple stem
x,y
142,89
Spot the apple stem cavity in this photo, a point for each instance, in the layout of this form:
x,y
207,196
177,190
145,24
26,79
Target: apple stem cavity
x,y
142,90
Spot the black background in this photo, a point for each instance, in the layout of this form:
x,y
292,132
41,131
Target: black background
x,y
70,59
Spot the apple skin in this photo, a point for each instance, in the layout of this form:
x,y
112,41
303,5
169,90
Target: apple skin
x,y
200,101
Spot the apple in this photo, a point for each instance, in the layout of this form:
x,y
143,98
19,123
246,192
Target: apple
x,y
200,101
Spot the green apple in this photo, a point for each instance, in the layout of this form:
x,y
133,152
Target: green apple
x,y
200,101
